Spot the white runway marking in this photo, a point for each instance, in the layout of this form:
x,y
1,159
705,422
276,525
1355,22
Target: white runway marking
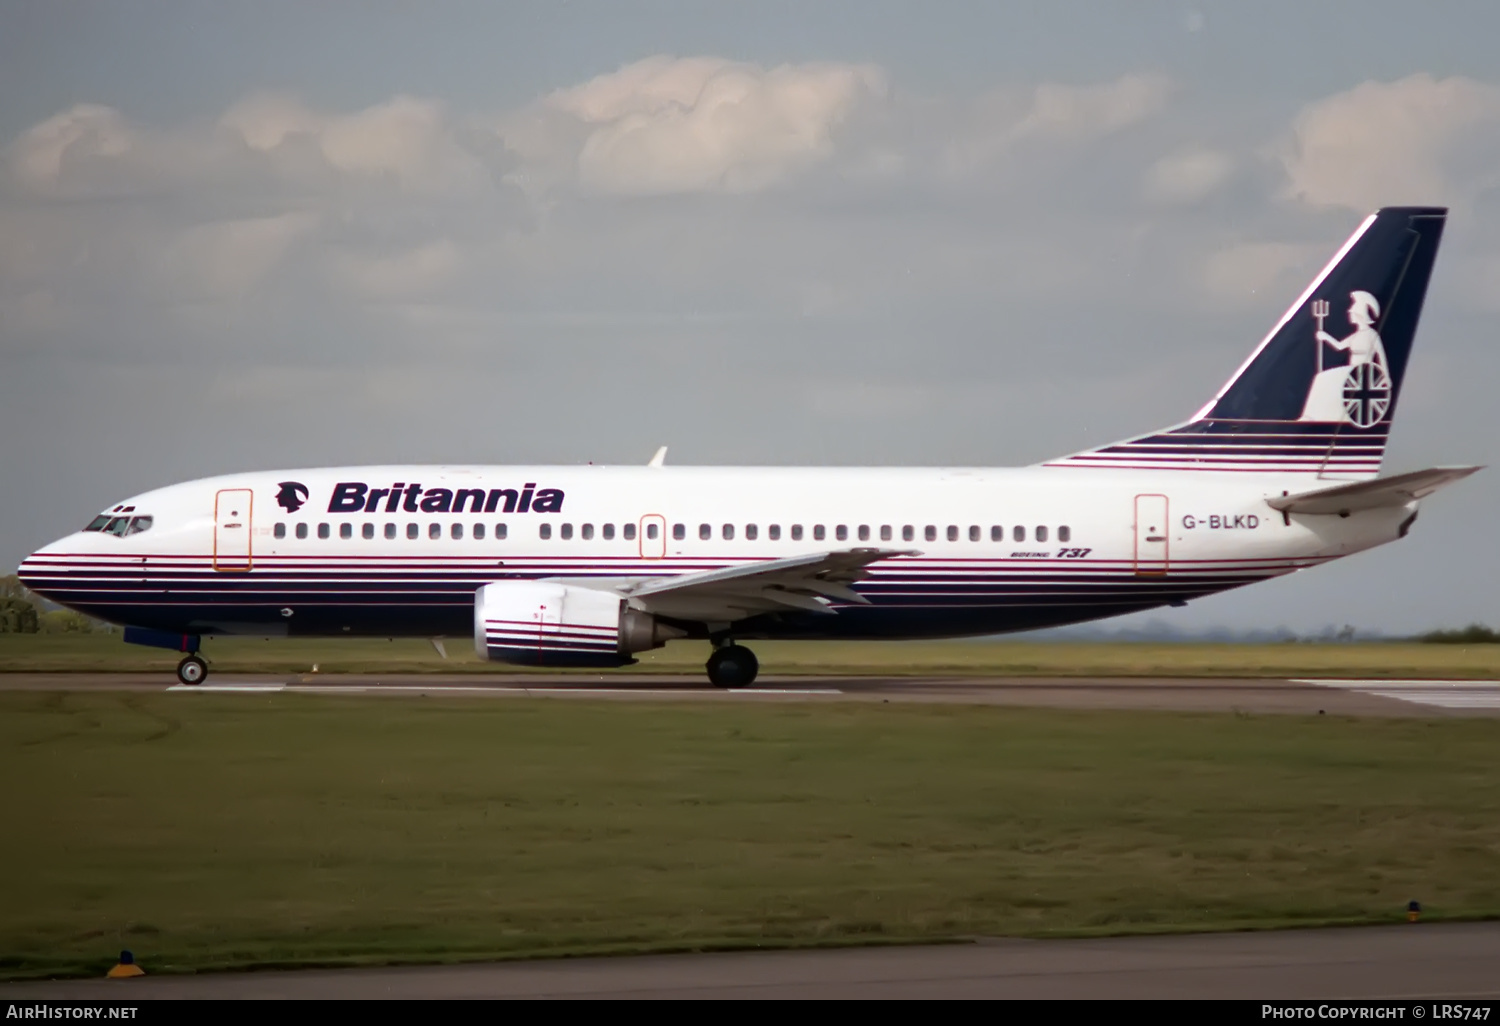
x,y
337,689
1445,694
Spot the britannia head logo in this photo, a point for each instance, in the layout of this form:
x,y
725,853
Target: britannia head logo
x,y
292,495
1353,382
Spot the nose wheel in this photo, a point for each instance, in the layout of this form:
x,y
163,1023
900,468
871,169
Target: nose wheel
x,y
732,666
192,670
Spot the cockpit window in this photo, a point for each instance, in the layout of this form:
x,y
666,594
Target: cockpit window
x,y
119,526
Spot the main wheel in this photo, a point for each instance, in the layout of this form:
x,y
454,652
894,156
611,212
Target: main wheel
x,y
733,666
192,670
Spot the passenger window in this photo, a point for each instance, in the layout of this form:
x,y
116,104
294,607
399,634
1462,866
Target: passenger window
x,y
567,532
908,533
997,533
628,531
818,533
679,532
929,532
729,532
323,531
367,531
390,530
456,532
501,532
1064,533
346,530
609,532
796,532
586,531
864,532
651,531
705,531
751,532
544,531
1018,533
841,532
773,532
412,530
301,530
973,532
953,532
479,532
280,531
1041,534
434,531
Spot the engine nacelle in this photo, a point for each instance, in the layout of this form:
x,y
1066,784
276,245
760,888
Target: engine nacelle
x,y
542,623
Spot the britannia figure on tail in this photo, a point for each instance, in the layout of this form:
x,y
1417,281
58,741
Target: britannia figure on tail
x,y
1357,392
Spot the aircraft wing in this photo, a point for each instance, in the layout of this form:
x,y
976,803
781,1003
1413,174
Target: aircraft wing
x,y
1382,491
803,583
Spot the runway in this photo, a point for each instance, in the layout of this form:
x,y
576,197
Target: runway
x,y
1448,962
1305,697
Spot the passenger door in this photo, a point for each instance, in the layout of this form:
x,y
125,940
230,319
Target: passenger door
x,y
1151,534
232,513
653,536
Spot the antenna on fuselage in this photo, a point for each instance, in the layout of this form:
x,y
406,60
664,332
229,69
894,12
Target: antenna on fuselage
x,y
660,458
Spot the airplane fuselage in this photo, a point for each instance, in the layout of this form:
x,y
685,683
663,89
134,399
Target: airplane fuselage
x,y
397,551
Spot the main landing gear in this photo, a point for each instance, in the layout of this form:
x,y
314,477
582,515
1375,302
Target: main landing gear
x,y
192,670
732,666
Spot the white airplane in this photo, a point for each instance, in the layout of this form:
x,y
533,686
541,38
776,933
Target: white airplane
x,y
584,566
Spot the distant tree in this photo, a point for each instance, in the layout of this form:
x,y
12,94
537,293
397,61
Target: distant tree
x,y
1474,634
65,621
17,616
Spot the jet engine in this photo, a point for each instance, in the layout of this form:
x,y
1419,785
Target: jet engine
x,y
543,623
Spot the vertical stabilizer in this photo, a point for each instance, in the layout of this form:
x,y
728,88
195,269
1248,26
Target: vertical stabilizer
x,y
1318,394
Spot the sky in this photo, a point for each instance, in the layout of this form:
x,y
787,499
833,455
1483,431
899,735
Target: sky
x,y
242,236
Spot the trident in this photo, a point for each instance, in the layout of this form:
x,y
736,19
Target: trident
x,y
1319,311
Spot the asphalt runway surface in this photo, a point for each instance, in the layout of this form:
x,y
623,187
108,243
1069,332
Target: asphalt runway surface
x,y
1438,961
1399,698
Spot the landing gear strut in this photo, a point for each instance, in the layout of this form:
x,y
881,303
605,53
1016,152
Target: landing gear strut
x,y
732,666
192,670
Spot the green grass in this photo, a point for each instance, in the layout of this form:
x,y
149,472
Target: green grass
x,y
103,653
209,831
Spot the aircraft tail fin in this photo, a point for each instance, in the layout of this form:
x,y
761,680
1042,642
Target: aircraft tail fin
x,y
1318,394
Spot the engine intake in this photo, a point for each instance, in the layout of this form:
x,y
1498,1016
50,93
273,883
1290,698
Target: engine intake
x,y
542,623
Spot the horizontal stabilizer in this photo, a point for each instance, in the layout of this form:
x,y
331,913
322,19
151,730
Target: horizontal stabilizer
x,y
1376,494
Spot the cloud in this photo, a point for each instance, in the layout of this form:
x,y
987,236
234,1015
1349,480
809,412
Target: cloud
x,y
669,125
1242,273
1006,125
225,260
85,132
1418,140
1188,175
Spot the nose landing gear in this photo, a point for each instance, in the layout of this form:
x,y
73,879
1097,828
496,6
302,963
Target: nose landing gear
x,y
192,670
732,666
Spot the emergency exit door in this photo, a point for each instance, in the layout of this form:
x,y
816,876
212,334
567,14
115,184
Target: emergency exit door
x,y
232,509
1151,528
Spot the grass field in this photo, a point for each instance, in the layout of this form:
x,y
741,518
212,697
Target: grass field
x,y
207,830
107,653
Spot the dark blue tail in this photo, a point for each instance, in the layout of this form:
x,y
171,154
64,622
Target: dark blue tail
x,y
1319,394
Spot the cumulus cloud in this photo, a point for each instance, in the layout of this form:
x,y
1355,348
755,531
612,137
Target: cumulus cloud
x,y
1417,140
1241,273
1005,124
1188,175
669,125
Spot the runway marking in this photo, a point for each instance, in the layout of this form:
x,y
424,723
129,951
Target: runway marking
x,y
337,689
1443,694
